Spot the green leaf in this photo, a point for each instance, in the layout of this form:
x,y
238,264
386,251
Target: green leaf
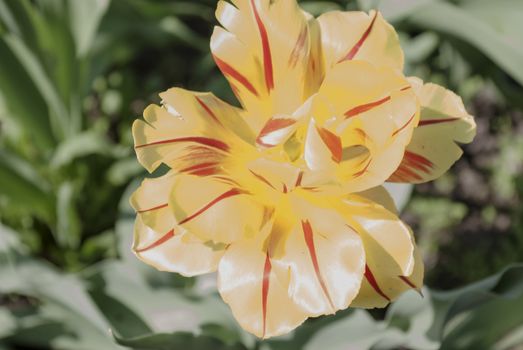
x,y
85,17
25,106
66,317
68,226
180,340
20,185
89,142
503,45
32,65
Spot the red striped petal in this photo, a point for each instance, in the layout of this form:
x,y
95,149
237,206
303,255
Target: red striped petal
x,y
262,179
404,126
436,121
272,125
233,73
309,240
299,47
153,208
265,289
299,179
232,192
208,110
365,107
267,59
354,50
202,169
157,243
197,139
333,143
374,284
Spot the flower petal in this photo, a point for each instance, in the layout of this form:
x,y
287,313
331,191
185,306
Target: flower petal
x,y
159,242
393,263
324,255
256,288
382,230
370,112
383,285
262,49
215,209
443,124
192,132
359,36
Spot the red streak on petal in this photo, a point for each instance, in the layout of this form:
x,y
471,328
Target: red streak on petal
x,y
365,107
298,47
362,171
197,139
407,281
299,179
208,110
417,159
230,193
309,240
372,281
285,190
202,169
157,243
406,88
273,124
154,208
233,73
350,55
333,143
436,121
404,126
265,289
267,59
403,173
262,179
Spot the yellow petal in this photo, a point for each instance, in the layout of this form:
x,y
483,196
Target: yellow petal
x,y
382,230
381,286
262,49
159,242
256,288
380,195
327,260
444,123
325,256
370,113
215,208
359,36
192,132
393,264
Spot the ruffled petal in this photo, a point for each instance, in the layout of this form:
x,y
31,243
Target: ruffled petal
x,y
160,242
262,48
381,286
443,125
393,263
216,209
359,36
192,132
382,230
362,120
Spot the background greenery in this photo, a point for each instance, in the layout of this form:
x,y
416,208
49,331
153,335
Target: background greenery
x,y
74,74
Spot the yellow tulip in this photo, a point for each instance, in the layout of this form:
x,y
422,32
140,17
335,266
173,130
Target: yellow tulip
x,y
283,197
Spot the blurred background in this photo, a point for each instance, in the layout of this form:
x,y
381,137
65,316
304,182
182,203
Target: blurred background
x,y
74,74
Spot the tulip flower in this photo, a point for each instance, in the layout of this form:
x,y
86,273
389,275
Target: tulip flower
x,y
283,197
